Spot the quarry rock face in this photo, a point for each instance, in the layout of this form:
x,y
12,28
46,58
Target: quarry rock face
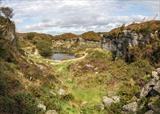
x,y
119,45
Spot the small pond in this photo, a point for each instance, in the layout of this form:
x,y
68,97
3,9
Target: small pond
x,y
62,56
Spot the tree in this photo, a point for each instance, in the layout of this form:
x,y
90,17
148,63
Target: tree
x,y
7,12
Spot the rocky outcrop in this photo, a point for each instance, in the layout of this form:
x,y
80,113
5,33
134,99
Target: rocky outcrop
x,y
152,88
151,91
149,99
120,44
7,31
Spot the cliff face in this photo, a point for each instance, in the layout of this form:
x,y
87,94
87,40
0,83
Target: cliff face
x,y
121,41
8,39
7,30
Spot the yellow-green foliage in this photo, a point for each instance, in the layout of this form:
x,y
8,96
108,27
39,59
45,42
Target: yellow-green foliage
x,y
66,36
91,36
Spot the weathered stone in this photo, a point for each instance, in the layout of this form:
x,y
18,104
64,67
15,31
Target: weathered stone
x,y
158,71
157,87
89,66
41,106
131,107
61,92
51,112
155,75
147,88
116,99
149,112
107,101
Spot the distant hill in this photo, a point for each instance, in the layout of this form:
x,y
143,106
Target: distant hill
x,y
66,36
91,35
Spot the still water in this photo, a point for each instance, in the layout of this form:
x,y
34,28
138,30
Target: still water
x,y
62,56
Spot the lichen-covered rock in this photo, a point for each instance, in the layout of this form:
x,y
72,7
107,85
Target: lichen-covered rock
x,y
147,88
158,71
155,75
107,101
61,92
116,99
157,87
41,106
131,107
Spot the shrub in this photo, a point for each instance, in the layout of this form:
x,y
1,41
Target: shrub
x,y
3,87
53,102
115,108
98,54
25,103
7,105
67,97
44,48
30,36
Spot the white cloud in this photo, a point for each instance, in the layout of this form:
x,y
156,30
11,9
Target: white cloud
x,y
57,16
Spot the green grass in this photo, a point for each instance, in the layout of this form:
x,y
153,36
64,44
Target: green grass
x,y
89,95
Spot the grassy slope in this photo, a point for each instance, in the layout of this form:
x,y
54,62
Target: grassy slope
x,y
106,77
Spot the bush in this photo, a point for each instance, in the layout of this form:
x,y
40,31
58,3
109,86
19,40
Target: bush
x,y
53,102
44,48
98,54
7,105
25,103
115,108
30,36
67,97
3,87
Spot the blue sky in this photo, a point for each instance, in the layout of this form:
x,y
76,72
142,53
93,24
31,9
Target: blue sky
x,y
78,16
